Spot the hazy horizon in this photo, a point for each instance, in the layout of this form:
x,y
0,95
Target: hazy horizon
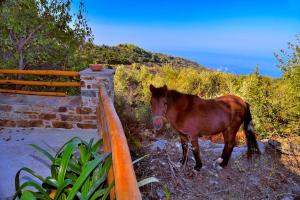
x,y
236,35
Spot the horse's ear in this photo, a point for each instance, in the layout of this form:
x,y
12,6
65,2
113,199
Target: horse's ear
x,y
152,88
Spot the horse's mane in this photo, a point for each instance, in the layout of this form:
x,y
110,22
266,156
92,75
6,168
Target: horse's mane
x,y
174,94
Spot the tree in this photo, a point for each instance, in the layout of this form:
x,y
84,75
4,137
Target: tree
x,y
289,63
36,32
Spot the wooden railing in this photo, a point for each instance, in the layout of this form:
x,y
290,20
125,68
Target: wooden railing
x,y
110,128
39,83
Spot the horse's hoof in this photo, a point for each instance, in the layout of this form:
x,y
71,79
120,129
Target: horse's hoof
x,y
223,164
219,168
219,160
198,167
182,161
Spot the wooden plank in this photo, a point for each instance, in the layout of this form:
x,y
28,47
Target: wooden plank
x,y
126,187
103,133
39,72
41,83
58,94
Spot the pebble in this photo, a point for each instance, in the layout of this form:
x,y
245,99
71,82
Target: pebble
x,y
159,145
160,194
7,138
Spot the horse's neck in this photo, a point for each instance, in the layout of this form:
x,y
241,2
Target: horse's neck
x,y
177,101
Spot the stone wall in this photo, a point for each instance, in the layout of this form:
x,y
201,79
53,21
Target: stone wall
x,y
49,112
47,117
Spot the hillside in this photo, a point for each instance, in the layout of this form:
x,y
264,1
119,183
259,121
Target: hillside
x,y
129,54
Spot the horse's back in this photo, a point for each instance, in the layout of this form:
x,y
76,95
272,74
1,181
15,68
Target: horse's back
x,y
234,102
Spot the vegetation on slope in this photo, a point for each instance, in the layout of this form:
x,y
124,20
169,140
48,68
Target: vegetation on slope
x,y
128,54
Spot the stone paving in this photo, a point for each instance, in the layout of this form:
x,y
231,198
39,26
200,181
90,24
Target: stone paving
x,y
16,153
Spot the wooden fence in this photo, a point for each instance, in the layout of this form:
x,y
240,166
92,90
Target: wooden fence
x,y
110,128
39,83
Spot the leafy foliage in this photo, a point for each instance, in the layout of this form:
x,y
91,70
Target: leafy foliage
x,y
39,32
128,54
78,171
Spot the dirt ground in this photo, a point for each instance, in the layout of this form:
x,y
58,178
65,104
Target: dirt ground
x,y
270,176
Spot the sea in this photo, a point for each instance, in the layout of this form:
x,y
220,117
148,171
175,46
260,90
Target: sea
x,y
233,63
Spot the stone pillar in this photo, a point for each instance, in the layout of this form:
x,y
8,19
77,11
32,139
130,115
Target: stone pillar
x,y
89,85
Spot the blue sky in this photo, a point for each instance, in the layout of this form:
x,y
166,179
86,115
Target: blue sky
x,y
233,36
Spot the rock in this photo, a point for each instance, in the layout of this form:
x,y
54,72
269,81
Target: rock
x,y
205,144
261,147
237,151
178,145
215,150
160,194
212,182
159,145
288,197
162,163
264,140
254,180
290,146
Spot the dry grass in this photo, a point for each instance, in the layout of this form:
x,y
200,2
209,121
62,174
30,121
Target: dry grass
x,y
270,176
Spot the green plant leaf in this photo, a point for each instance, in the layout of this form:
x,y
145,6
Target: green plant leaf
x,y
147,181
167,192
105,168
90,143
77,139
96,147
84,154
48,155
27,195
86,171
107,190
98,193
66,155
17,177
95,186
54,171
61,188
34,185
51,181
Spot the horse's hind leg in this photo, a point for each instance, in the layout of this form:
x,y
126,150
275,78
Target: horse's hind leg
x,y
229,138
196,153
184,145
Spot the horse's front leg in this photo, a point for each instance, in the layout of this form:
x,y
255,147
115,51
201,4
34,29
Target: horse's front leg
x,y
184,145
196,152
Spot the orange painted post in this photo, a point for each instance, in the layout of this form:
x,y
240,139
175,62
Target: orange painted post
x,y
126,187
39,72
41,83
58,94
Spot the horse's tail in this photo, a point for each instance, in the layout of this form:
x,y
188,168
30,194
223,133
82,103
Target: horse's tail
x,y
250,133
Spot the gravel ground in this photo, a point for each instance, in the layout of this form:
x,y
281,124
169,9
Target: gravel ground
x,y
270,176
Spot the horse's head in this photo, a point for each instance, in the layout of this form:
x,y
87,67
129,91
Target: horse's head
x,y
158,106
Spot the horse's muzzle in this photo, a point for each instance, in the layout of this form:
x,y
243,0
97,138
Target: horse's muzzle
x,y
158,123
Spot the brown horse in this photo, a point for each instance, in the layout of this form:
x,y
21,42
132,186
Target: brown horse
x,y
193,117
